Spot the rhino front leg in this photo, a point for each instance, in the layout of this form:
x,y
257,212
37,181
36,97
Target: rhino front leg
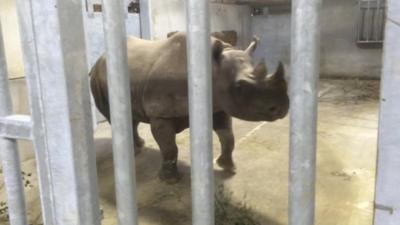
x,y
222,124
164,133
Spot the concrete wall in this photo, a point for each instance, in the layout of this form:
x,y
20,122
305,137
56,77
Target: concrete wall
x,y
8,16
171,15
93,21
340,55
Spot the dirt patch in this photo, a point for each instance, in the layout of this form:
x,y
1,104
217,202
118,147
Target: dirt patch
x,y
229,212
352,91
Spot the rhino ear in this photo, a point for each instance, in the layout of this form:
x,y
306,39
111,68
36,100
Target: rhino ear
x,y
217,48
260,71
253,45
280,72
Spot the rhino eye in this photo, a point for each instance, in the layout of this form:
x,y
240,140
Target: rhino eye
x,y
273,109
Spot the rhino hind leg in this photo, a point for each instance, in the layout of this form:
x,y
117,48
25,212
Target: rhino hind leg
x,y
222,125
164,133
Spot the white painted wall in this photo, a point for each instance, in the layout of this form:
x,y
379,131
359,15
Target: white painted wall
x,y
170,16
93,21
340,56
9,21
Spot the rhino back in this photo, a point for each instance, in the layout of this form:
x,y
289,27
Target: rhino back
x,y
159,76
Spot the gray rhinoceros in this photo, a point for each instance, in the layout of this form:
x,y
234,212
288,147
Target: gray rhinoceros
x,y
158,78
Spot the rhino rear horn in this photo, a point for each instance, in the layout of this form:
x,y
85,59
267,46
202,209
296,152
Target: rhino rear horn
x,y
260,71
253,45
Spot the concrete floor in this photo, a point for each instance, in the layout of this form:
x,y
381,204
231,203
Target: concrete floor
x,y
347,138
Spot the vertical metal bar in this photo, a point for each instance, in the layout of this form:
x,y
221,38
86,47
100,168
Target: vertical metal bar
x,y
9,152
145,19
363,23
31,66
360,22
377,20
88,11
372,25
78,99
383,17
200,108
368,20
305,59
56,70
387,197
121,114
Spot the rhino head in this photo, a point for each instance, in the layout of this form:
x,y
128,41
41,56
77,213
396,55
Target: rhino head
x,y
244,90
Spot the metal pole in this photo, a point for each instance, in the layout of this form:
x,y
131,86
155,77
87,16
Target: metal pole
x,y
200,109
9,152
31,65
387,197
121,110
303,110
56,72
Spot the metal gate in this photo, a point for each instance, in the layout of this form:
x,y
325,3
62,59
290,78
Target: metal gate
x,y
61,126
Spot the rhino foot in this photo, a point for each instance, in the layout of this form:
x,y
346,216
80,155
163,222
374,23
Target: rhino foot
x,y
226,163
169,172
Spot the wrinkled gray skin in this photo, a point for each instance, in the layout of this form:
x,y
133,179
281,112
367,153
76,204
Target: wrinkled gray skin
x,y
158,78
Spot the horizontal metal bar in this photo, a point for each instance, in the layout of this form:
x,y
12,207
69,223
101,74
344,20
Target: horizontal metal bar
x,y
200,109
9,154
370,42
121,111
16,127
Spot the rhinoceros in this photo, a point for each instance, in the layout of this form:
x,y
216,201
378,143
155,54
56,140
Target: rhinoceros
x,y
159,93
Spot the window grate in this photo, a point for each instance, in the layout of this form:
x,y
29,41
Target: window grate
x,y
371,21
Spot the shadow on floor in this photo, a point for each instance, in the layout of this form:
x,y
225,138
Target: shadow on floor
x,y
160,203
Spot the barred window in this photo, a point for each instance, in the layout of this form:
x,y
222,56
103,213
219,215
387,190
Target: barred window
x,y
371,21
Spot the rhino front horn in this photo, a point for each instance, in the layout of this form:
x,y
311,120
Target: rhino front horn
x,y
280,72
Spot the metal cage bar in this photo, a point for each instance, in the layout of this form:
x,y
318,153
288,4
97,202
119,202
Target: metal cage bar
x,y
200,109
387,197
16,127
121,110
303,110
56,72
9,152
